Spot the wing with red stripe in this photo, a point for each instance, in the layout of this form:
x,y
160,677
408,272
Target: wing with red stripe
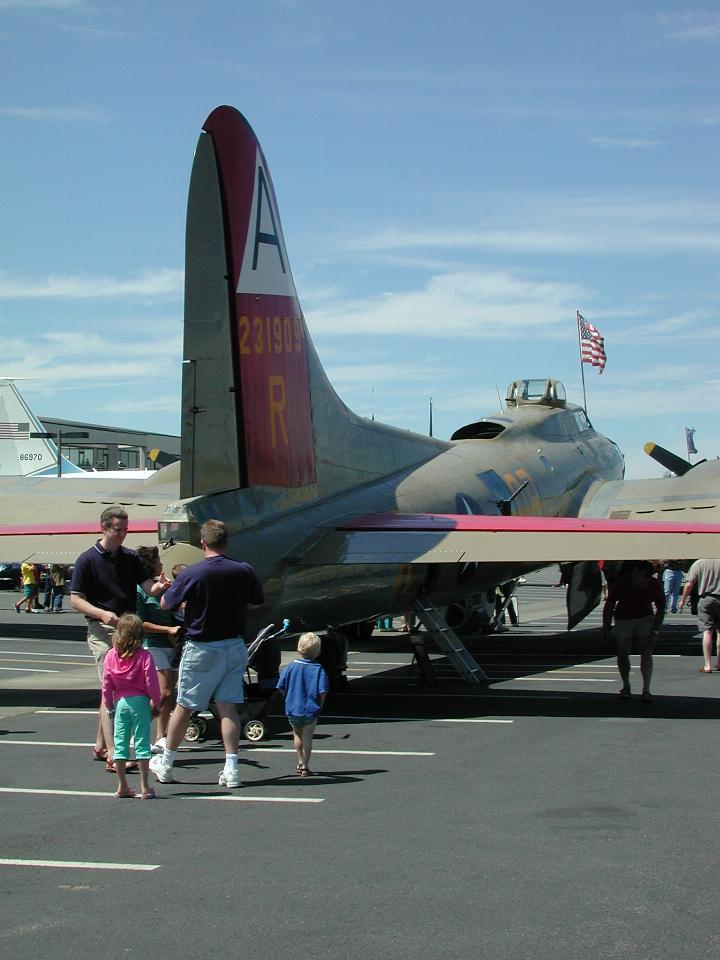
x,y
64,542
449,538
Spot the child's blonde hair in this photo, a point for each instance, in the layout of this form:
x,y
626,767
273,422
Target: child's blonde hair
x,y
309,645
129,635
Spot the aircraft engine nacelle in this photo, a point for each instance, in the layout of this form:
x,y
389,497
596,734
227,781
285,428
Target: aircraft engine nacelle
x,y
470,614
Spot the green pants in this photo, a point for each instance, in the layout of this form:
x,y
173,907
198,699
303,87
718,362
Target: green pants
x,y
132,717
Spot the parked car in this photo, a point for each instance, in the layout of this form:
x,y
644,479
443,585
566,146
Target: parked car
x,y
10,576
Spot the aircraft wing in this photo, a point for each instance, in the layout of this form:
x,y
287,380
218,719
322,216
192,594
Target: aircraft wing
x,y
64,542
449,538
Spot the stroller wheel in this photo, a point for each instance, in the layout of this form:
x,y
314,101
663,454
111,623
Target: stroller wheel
x,y
196,730
256,730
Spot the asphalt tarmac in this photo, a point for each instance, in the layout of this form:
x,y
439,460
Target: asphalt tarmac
x,y
538,816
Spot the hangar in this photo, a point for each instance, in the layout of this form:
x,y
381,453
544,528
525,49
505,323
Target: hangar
x,y
112,448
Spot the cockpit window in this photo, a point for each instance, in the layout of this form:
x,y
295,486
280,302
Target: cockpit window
x,y
581,420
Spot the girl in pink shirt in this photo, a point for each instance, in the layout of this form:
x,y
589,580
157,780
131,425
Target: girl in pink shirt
x,y
130,691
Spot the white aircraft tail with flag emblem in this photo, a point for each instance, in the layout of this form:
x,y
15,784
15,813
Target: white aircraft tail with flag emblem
x,y
21,453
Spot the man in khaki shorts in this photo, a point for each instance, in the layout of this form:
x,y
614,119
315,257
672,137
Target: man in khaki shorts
x,y
631,599
104,585
706,574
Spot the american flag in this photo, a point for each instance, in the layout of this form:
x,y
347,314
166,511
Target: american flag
x,y
14,431
592,345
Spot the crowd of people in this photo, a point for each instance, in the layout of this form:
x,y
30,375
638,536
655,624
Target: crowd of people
x,y
637,598
165,648
46,579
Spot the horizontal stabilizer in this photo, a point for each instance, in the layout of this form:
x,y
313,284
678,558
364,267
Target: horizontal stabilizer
x,y
161,458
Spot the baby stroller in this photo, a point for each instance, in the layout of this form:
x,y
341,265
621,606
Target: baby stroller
x,y
264,658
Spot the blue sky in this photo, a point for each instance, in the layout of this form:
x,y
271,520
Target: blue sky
x,y
455,180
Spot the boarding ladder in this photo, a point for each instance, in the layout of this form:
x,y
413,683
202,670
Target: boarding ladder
x,y
448,642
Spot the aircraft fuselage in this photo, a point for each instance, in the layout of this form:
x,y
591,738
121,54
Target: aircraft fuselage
x,y
532,460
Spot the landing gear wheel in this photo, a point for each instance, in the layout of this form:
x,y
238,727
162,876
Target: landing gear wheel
x,y
256,730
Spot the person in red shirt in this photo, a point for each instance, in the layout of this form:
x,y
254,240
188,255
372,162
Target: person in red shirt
x,y
631,600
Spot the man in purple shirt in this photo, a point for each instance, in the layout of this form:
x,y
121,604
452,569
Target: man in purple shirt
x,y
216,593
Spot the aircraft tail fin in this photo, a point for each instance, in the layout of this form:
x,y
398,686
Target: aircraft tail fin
x,y
21,453
258,411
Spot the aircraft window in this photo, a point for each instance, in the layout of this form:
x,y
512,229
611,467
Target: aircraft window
x,y
581,420
533,389
178,531
494,484
558,427
481,430
555,428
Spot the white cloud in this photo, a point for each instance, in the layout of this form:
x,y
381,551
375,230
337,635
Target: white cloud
x,y
657,400
163,282
688,327
82,360
56,114
48,4
623,143
365,375
567,225
492,304
160,403
692,25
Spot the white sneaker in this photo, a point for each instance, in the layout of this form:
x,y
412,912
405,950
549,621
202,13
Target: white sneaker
x,y
228,778
163,771
158,746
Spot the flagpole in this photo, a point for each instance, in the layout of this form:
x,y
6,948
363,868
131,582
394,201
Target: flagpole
x,y
582,369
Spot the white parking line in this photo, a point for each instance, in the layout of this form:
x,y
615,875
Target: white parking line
x,y
29,669
463,696
248,749
258,799
32,653
341,716
379,663
79,865
468,720
353,753
73,643
85,712
111,796
44,743
546,679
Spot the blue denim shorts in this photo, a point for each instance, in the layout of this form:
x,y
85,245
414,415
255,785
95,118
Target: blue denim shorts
x,y
302,721
211,670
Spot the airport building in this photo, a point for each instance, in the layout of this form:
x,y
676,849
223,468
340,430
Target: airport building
x,y
110,448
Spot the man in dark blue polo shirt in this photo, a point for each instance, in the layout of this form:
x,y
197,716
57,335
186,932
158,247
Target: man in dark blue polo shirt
x,y
104,584
216,593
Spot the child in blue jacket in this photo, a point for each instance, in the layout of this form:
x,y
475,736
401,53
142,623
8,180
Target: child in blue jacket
x,y
304,685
